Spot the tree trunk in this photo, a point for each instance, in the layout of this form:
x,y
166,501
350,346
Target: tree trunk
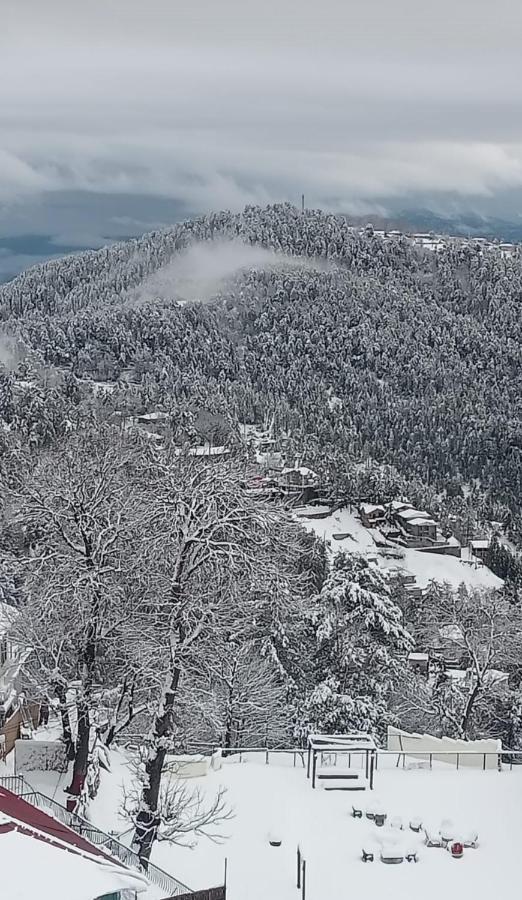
x,y
83,706
229,723
148,819
466,718
61,694
81,758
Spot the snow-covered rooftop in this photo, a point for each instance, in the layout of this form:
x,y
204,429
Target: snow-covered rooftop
x,y
410,513
369,508
207,450
312,512
301,470
32,868
353,537
341,742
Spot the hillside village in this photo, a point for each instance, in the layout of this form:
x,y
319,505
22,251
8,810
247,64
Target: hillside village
x,y
439,242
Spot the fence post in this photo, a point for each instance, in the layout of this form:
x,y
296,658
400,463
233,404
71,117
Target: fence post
x,y
298,867
458,757
303,885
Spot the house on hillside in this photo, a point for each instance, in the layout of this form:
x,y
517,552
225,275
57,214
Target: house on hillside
x,y
14,712
419,663
450,649
480,548
396,505
404,578
416,523
299,482
372,515
38,852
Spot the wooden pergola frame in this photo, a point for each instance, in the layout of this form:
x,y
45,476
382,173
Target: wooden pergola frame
x,y
342,743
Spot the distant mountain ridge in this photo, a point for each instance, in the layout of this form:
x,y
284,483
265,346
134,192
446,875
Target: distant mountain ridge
x,y
18,253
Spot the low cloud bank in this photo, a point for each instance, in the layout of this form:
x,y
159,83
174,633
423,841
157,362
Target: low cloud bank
x,y
200,272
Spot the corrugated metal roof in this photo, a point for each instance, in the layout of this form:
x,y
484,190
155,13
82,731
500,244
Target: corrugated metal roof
x,y
35,820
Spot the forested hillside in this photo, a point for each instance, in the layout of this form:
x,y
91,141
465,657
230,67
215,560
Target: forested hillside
x,y
174,603
377,349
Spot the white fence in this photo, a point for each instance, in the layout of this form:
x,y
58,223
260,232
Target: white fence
x,y
483,754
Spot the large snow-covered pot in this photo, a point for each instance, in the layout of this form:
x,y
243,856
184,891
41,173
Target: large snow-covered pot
x,y
456,850
274,839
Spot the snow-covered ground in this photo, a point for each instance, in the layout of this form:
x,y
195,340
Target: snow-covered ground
x,y
425,566
279,798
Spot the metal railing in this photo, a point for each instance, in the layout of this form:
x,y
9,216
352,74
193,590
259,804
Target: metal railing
x,y
17,785
13,783
505,759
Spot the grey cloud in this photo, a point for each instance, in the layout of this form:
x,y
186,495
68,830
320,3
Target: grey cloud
x,y
230,102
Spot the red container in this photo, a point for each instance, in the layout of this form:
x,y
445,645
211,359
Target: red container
x,y
457,850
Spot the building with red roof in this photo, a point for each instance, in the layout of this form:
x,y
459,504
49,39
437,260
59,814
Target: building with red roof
x,y
41,856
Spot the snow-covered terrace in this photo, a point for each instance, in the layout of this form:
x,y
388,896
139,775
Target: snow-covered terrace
x,y
277,798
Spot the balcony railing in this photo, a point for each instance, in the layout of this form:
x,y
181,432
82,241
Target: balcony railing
x,y
18,785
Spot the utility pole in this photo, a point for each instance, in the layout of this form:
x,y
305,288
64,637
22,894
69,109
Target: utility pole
x,y
302,203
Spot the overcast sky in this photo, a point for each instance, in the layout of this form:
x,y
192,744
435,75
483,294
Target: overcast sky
x,y
217,103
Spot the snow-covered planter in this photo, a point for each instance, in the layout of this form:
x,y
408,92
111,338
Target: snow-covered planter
x,y
274,839
416,824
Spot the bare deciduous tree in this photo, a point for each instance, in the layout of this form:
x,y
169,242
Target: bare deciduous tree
x,y
484,633
206,534
80,571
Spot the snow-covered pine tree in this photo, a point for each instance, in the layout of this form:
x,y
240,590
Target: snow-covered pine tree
x,y
362,645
